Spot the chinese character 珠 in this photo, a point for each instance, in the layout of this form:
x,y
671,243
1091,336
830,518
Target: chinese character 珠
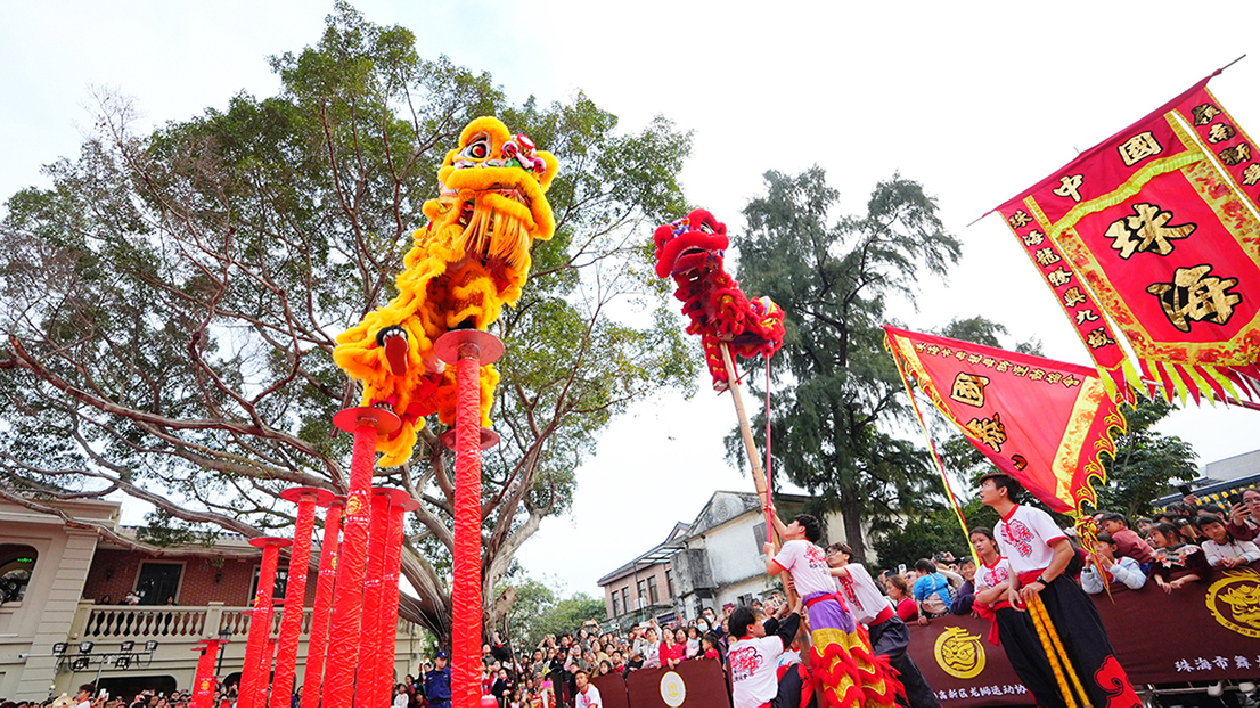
x,y
990,431
1236,155
1058,277
1019,219
1073,296
1204,113
1221,132
1139,147
969,389
1098,338
1070,187
1194,295
1034,237
1146,230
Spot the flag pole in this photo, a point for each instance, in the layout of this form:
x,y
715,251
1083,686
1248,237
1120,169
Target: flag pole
x,y
754,460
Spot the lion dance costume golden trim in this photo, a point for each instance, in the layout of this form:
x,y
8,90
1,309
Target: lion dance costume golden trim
x,y
470,260
690,251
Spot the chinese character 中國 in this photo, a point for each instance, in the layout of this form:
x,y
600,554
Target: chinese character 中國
x,y
969,389
1070,186
1139,147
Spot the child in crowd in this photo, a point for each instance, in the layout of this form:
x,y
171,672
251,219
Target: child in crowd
x,y
1108,568
1176,562
1221,548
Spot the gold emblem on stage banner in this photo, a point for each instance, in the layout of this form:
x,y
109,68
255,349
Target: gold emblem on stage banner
x,y
960,654
673,689
1234,601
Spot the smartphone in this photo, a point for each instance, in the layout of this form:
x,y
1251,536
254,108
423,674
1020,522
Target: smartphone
x,y
1184,489
901,568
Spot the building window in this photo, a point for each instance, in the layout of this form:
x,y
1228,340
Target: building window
x,y
642,588
16,565
669,582
652,596
616,604
158,583
759,537
277,592
625,599
746,600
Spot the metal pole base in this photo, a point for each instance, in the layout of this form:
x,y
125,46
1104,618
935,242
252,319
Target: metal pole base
x,y
489,439
449,346
385,421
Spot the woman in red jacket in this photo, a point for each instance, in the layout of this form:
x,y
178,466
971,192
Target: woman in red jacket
x,y
672,653
903,600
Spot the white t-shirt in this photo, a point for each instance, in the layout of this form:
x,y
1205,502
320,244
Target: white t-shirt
x,y
590,698
865,602
754,669
808,565
84,704
1024,537
991,576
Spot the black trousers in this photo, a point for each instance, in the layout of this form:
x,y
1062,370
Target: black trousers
x,y
1080,629
892,639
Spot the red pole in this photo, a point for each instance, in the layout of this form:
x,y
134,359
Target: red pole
x,y
312,678
343,653
253,681
470,349
400,504
295,592
367,688
204,683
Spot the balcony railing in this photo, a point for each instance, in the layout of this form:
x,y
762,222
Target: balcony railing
x,y
177,623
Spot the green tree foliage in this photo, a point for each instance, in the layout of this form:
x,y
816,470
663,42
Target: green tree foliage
x,y
1147,464
169,306
841,390
539,610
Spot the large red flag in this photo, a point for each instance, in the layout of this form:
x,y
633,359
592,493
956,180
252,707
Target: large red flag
x,y
1157,228
1043,422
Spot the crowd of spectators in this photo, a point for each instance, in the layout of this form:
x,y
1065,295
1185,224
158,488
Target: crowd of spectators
x,y
87,696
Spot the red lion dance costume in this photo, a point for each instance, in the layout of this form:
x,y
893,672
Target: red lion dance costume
x,y
690,251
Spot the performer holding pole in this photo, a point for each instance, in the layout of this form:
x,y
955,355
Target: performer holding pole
x,y
1066,624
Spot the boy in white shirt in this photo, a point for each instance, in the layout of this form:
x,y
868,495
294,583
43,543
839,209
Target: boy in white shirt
x,y
753,657
1118,570
888,633
587,695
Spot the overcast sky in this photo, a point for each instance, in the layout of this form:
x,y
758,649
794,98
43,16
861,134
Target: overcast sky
x,y
975,100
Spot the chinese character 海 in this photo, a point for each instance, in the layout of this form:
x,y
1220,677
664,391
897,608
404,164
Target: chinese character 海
x,y
1195,296
1070,186
990,431
1139,147
1019,219
1221,132
1204,113
1201,664
1058,277
1146,230
1098,338
1251,175
1034,237
1236,155
1083,316
969,389
1046,256
1073,296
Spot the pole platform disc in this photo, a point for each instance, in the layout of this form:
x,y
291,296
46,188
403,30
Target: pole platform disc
x,y
335,501
397,497
448,345
321,497
264,541
489,439
349,418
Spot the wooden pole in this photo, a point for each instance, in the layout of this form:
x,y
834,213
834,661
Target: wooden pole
x,y
754,460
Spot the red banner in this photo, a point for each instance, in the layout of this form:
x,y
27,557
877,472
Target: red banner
x,y
1157,229
1043,422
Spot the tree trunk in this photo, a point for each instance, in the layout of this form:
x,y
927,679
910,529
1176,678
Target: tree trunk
x,y
851,513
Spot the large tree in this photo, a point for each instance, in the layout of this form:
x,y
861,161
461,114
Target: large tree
x,y
169,307
840,393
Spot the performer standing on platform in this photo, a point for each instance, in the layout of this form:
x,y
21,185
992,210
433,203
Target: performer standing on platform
x,y
846,672
889,635
1038,553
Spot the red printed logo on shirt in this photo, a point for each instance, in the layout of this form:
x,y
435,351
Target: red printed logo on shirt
x,y
1018,535
995,576
744,661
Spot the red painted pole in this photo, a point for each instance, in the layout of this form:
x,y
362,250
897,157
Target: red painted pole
x,y
367,688
400,504
253,680
343,652
312,678
307,499
204,683
466,591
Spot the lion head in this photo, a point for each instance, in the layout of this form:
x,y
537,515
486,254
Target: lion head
x,y
688,247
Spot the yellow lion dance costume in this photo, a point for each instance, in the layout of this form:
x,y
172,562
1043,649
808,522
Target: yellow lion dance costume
x,y
471,258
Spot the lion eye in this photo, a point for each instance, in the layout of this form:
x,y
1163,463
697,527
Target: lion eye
x,y
478,149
